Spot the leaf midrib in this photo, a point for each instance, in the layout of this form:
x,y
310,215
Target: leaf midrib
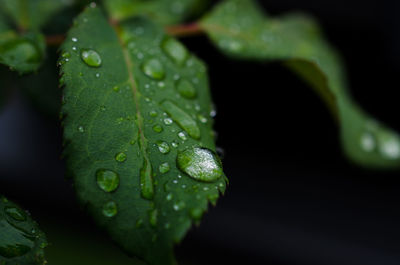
x,y
136,95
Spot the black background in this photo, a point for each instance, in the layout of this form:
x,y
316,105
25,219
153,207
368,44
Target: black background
x,y
293,197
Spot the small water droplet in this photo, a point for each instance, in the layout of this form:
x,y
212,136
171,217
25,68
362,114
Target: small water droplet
x,y
139,223
15,213
116,88
202,119
91,57
179,205
153,68
163,147
74,48
97,75
168,121
182,136
153,113
175,51
120,157
164,168
196,214
157,128
81,129
153,217
110,209
182,119
186,89
368,142
169,197
103,108
107,180
146,180
174,144
200,164
74,39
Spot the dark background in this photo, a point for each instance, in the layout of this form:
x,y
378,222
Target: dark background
x,y
293,198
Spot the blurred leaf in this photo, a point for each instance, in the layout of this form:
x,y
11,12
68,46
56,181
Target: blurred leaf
x,y
242,31
21,241
136,124
162,11
42,87
32,14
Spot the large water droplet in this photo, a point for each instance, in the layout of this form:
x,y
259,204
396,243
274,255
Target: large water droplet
x,y
186,89
107,180
153,68
146,181
163,147
182,119
200,163
120,157
91,57
110,209
15,213
175,51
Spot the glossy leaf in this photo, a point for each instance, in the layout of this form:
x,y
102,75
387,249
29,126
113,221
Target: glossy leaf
x,y
242,31
162,11
125,124
21,241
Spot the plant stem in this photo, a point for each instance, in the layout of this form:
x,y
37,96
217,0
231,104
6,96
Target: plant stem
x,y
184,30
176,31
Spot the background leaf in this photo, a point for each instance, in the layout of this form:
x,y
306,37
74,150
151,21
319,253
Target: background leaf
x,y
21,241
242,31
162,11
135,101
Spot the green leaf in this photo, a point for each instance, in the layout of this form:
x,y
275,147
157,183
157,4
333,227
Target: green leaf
x,y
21,52
162,11
32,14
21,241
242,31
125,126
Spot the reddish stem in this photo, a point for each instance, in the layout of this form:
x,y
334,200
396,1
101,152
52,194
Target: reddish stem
x,y
55,40
184,30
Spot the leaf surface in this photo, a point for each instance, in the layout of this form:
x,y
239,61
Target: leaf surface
x,y
242,31
126,123
162,11
21,241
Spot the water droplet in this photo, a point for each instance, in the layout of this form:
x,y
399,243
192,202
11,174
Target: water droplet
x,y
154,69
213,198
175,51
202,119
97,75
74,39
164,168
182,119
146,180
107,180
163,147
153,113
186,89
15,213
91,57
139,223
74,48
200,164
110,209
196,214
157,128
169,197
182,136
81,129
103,108
120,157
168,121
368,142
153,217
116,88
174,144
179,205
389,145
